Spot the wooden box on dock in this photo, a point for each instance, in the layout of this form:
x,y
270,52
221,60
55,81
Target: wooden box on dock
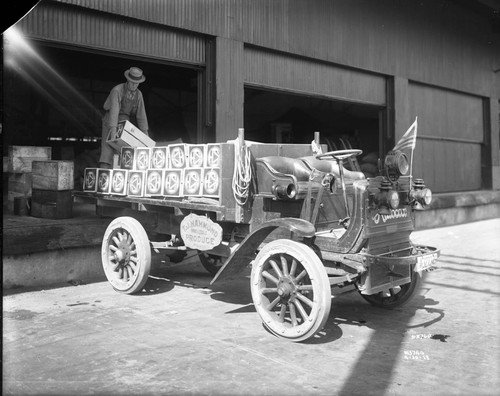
x,y
53,175
20,158
52,204
20,183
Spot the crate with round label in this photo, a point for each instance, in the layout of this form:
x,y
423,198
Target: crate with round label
x,y
159,157
135,185
119,179
173,180
90,180
142,158
127,157
211,182
154,183
193,181
195,155
103,181
213,155
177,155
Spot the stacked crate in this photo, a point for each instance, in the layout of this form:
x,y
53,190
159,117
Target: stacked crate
x,y
19,169
173,171
52,189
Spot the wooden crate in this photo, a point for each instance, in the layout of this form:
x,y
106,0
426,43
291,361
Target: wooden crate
x,y
211,182
177,155
119,180
103,181
193,181
195,155
90,180
154,183
213,155
52,204
20,183
159,157
127,158
128,134
20,158
142,158
173,182
53,175
136,182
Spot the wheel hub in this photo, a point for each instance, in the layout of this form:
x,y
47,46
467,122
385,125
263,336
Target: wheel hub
x,y
122,255
286,288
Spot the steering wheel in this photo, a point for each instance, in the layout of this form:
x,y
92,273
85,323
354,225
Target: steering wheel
x,y
340,155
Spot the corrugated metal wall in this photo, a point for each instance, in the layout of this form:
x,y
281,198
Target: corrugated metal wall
x,y
450,137
277,70
229,72
334,48
81,27
434,42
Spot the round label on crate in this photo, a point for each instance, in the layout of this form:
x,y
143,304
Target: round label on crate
x,y
201,233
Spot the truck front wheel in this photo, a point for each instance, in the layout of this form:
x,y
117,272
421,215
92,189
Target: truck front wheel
x,y
290,289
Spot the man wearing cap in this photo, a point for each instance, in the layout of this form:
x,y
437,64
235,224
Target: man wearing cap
x,y
124,102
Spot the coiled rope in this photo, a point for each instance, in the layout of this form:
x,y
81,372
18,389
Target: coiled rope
x,y
242,175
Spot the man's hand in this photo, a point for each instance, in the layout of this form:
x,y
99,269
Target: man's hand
x,y
112,132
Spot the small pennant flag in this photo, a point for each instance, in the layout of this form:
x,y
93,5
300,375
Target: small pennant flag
x,y
409,139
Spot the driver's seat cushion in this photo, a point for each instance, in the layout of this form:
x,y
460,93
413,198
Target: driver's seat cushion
x,y
330,166
275,170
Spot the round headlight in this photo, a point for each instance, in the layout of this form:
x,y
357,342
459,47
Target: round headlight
x,y
393,199
396,164
403,164
427,198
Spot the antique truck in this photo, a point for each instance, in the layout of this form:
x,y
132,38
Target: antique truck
x,y
293,212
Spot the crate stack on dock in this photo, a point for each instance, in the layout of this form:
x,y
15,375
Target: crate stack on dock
x,y
52,189
19,170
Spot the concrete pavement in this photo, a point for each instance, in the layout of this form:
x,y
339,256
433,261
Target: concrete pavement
x,y
182,336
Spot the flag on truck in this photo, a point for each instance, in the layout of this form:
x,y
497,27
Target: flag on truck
x,y
409,139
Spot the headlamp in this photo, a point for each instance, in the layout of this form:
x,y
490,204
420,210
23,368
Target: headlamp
x,y
396,165
393,199
420,196
386,198
285,191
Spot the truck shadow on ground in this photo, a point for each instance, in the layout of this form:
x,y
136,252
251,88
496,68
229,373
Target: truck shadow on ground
x,y
390,332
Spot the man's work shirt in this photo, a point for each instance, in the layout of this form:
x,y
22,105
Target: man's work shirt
x,y
123,104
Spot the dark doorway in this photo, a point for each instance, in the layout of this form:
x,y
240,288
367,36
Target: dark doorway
x,y
54,97
277,117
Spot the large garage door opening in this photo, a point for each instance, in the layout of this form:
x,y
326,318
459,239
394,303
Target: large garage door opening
x,y
277,117
54,97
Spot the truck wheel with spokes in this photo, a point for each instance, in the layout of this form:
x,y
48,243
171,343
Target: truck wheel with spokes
x,y
290,290
126,255
396,296
211,262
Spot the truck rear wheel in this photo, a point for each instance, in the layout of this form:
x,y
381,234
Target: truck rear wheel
x,y
126,255
211,262
290,290
397,296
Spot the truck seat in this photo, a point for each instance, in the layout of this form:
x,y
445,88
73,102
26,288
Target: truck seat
x,y
330,166
281,166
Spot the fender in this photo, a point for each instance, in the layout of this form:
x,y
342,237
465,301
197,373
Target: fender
x,y
246,251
